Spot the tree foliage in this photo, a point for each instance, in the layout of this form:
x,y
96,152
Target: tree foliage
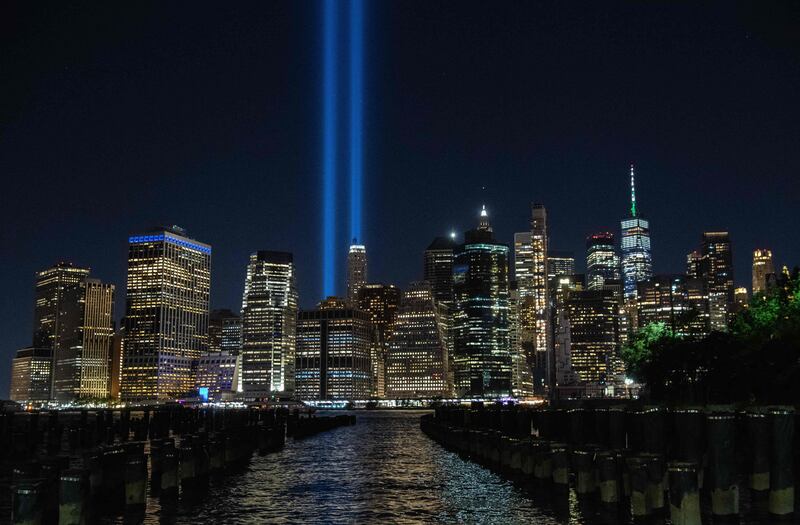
x,y
758,360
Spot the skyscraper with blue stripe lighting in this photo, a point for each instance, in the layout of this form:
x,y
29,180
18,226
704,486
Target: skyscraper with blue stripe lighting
x,y
166,314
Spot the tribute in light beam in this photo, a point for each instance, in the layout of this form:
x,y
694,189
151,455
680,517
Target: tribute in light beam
x,y
329,148
356,115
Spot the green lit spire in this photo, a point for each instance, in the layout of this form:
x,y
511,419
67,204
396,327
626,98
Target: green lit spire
x,y
633,194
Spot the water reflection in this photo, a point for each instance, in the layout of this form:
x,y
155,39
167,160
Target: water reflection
x,y
382,470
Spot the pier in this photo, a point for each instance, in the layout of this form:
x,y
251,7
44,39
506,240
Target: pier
x,y
71,467
631,462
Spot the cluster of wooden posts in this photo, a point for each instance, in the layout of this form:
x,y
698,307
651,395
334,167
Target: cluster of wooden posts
x,y
638,462
68,467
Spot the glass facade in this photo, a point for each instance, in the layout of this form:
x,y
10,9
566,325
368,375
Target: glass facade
x,y
269,318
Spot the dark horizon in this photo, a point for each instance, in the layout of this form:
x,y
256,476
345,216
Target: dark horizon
x,y
117,118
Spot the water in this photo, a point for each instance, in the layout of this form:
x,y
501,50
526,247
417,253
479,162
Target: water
x,y
382,470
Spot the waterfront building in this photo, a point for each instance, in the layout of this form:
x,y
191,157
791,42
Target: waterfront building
x,y
269,319
593,317
30,375
482,354
216,372
602,261
637,261
715,266
356,270
417,363
334,347
166,314
82,359
438,268
115,363
762,267
381,302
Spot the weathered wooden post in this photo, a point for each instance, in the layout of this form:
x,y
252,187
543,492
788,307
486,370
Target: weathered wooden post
x,y
684,495
721,428
781,494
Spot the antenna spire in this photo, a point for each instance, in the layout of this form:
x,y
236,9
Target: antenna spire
x,y
633,194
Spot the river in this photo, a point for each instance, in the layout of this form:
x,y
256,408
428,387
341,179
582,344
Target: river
x,y
381,470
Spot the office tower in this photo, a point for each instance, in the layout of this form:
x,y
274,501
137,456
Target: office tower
x,y
542,366
593,333
637,262
224,332
522,314
30,375
51,286
82,358
602,262
417,360
269,319
679,302
716,268
521,362
482,355
559,263
438,268
561,287
334,344
381,302
216,374
356,270
762,266
166,314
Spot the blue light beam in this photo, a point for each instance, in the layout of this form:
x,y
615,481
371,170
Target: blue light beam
x,y
329,146
356,116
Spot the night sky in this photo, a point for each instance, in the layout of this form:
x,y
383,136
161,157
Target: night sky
x,y
116,118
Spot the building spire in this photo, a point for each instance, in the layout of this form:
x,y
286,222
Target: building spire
x,y
484,220
633,194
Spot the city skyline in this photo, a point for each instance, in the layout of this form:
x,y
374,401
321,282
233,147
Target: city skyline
x,y
583,186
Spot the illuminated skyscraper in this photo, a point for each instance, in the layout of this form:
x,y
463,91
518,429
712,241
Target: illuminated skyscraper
x,y
50,307
559,263
543,370
482,357
381,302
762,266
30,375
716,268
81,363
681,303
523,298
439,268
356,270
602,261
269,319
417,361
741,299
637,262
334,343
593,333
166,314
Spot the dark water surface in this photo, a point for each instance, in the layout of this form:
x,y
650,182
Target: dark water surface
x,y
382,470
